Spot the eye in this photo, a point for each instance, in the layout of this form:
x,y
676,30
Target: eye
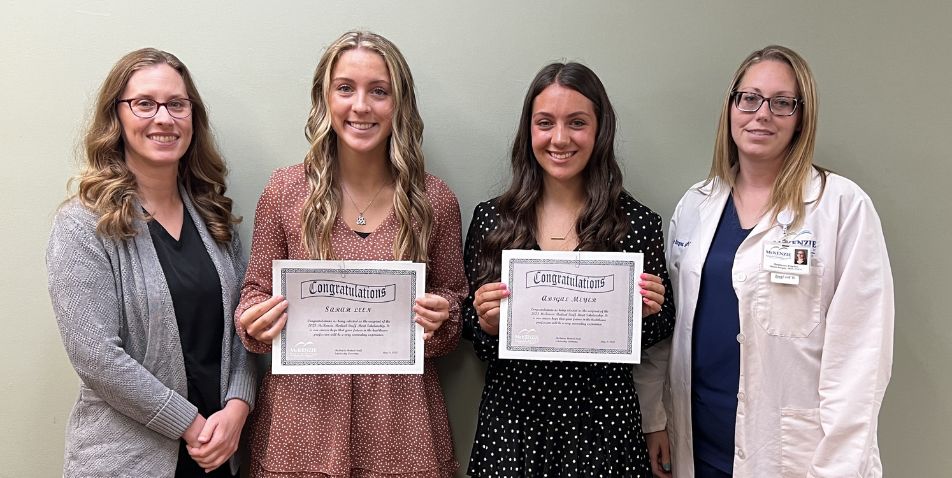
x,y
344,88
751,98
177,104
379,91
543,124
143,104
783,102
578,123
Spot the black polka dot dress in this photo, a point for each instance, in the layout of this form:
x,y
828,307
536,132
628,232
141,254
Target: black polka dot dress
x,y
562,419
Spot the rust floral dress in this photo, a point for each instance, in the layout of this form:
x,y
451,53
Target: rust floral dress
x,y
310,426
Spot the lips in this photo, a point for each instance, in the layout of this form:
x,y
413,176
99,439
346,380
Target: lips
x,y
360,126
560,155
759,132
163,138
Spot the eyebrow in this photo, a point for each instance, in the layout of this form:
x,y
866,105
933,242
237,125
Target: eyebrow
x,y
346,79
761,92
576,113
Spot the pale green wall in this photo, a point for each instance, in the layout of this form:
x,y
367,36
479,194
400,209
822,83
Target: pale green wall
x,y
884,76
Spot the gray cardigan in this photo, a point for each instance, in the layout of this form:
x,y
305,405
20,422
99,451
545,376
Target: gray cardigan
x,y
116,319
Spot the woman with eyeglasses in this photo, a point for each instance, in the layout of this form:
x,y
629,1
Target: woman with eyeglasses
x,y
778,366
144,267
555,418
362,193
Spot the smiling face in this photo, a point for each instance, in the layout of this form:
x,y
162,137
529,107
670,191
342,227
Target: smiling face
x,y
361,103
564,127
160,141
761,135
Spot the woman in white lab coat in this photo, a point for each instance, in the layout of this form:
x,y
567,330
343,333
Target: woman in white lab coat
x,y
777,368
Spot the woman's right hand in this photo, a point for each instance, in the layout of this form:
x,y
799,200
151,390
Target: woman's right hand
x,y
486,301
264,321
194,430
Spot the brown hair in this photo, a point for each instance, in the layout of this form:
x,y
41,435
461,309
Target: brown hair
x,y
601,224
108,187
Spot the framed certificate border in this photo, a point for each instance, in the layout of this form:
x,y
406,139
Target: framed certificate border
x,y
347,272
623,269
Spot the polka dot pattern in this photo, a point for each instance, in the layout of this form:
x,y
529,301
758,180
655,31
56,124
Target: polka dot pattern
x,y
562,419
367,426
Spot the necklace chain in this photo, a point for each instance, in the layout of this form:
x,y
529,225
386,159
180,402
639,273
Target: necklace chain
x,y
568,231
361,220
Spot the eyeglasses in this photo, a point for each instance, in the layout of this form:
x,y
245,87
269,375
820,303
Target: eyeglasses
x,y
779,105
179,108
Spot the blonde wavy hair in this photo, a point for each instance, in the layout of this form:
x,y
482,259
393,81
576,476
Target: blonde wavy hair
x,y
411,206
797,169
108,187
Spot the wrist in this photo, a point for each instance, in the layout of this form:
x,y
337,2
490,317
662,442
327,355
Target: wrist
x,y
190,435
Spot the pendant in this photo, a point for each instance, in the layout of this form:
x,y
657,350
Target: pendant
x,y
361,220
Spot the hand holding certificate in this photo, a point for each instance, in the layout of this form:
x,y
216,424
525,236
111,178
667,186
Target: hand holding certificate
x,y
575,306
349,317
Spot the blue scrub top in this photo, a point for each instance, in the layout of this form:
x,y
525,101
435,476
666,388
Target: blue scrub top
x,y
715,353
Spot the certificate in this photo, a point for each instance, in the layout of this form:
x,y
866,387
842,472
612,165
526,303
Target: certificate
x,y
349,317
576,306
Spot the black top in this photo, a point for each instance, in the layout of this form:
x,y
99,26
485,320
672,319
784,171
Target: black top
x,y
196,296
715,353
564,419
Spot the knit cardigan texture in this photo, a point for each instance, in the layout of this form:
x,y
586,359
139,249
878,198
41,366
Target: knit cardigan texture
x,y
117,322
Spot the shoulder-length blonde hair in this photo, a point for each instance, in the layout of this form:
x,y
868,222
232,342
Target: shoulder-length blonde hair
x,y
797,168
108,187
410,203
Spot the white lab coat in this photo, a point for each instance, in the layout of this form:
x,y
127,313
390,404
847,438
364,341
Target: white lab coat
x,y
815,358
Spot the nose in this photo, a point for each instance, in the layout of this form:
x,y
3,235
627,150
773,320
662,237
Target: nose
x,y
763,113
162,115
560,137
360,104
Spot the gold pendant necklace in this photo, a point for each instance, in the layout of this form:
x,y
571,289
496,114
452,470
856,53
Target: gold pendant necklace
x,y
568,231
361,220
565,235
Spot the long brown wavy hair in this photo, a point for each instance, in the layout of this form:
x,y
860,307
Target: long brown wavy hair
x,y
108,187
405,149
601,224
798,167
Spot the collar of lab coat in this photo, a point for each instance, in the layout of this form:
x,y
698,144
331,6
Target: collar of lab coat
x,y
717,192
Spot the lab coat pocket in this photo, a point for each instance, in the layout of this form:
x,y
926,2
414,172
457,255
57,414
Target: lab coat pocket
x,y
788,310
800,434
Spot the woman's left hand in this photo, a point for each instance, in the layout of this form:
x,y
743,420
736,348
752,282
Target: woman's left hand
x,y
219,438
652,294
431,311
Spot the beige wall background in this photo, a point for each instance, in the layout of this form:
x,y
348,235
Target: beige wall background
x,y
884,76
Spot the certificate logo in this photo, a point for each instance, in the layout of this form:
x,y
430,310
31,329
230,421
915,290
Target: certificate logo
x,y
525,337
304,348
348,291
568,281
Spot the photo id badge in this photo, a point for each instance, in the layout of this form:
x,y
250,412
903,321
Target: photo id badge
x,y
786,258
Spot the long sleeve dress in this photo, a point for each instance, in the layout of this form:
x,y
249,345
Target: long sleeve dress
x,y
352,425
562,419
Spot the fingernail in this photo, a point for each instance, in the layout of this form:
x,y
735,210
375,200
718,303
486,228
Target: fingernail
x,y
644,292
666,466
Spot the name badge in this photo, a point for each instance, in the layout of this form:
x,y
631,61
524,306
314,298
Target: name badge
x,y
785,258
778,278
